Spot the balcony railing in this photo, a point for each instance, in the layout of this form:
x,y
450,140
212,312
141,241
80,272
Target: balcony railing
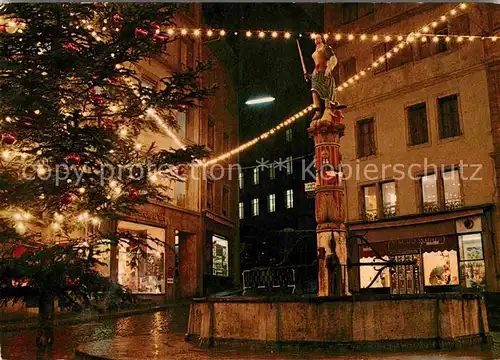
x,y
389,211
452,204
370,215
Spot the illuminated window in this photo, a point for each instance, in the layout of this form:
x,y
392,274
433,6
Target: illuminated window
x,y
255,207
271,202
451,187
370,205
472,270
289,198
429,193
148,276
389,198
241,210
255,176
220,258
289,165
288,134
241,179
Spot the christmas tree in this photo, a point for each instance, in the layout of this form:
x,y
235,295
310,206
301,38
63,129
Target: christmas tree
x,y
71,109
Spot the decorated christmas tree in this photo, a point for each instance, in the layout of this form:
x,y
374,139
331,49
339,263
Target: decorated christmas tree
x,y
71,110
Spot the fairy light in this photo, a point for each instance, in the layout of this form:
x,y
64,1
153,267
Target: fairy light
x,y
338,37
375,37
170,32
263,136
387,38
183,32
434,24
81,190
453,12
363,37
196,32
159,121
248,34
274,34
326,36
222,33
425,29
210,33
313,36
262,34
137,146
287,35
423,39
350,37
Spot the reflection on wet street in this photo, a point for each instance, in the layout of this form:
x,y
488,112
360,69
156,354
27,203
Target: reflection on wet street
x,y
20,345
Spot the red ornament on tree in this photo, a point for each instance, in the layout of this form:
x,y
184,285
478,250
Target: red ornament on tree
x,y
155,26
73,159
70,46
180,170
3,28
66,199
158,38
19,251
8,138
140,31
97,99
117,17
109,125
133,194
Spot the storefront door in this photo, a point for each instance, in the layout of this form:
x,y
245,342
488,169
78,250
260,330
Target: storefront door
x,y
407,279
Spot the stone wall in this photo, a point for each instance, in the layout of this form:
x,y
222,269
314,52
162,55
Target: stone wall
x,y
388,322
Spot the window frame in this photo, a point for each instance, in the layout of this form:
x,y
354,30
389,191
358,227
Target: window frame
x,y
241,210
357,125
255,176
289,135
441,205
241,179
380,212
408,125
459,116
289,165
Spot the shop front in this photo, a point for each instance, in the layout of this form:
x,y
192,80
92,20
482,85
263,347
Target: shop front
x,y
221,270
435,253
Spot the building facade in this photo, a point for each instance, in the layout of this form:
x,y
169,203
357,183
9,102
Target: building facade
x,y
199,224
420,147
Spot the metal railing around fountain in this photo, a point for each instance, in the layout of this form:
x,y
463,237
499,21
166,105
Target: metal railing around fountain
x,y
295,279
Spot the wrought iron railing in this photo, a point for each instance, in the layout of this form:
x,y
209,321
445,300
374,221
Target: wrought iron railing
x,y
389,211
452,204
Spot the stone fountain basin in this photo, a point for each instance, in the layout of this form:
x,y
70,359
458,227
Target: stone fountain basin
x,y
363,322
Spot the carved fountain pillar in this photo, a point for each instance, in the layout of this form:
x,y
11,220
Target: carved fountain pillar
x,y
330,211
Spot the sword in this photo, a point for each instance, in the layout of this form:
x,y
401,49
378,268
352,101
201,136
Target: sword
x,y
301,58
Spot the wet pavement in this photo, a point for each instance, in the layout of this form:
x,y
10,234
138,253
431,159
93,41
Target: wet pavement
x,y
160,335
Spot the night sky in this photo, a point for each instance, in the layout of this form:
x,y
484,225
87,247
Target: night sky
x,y
267,67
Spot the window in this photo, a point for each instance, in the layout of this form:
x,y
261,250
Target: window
x,y
288,134
220,258
210,194
348,68
148,277
289,165
225,142
366,137
449,122
417,124
289,198
255,207
255,176
181,121
272,171
472,268
442,30
451,187
187,53
460,25
441,190
389,199
404,55
225,201
350,12
374,209
429,193
370,205
211,134
241,210
241,179
379,51
271,203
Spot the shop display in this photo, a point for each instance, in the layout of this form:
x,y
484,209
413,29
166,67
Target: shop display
x,y
220,261
441,268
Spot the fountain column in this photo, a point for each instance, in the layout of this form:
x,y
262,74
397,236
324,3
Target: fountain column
x,y
330,211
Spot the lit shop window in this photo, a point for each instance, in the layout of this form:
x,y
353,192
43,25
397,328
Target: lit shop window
x,y
472,261
148,277
441,268
429,193
220,260
369,274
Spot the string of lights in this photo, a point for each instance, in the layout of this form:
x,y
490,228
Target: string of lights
x,y
419,35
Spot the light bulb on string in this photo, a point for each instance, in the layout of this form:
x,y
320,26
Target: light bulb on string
x,y
222,33
287,35
350,37
210,33
274,34
262,34
363,37
248,34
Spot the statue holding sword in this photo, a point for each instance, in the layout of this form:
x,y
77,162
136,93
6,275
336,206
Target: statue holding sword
x,y
322,81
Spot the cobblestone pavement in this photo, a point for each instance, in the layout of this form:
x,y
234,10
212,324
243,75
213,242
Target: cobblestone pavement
x,y
159,336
